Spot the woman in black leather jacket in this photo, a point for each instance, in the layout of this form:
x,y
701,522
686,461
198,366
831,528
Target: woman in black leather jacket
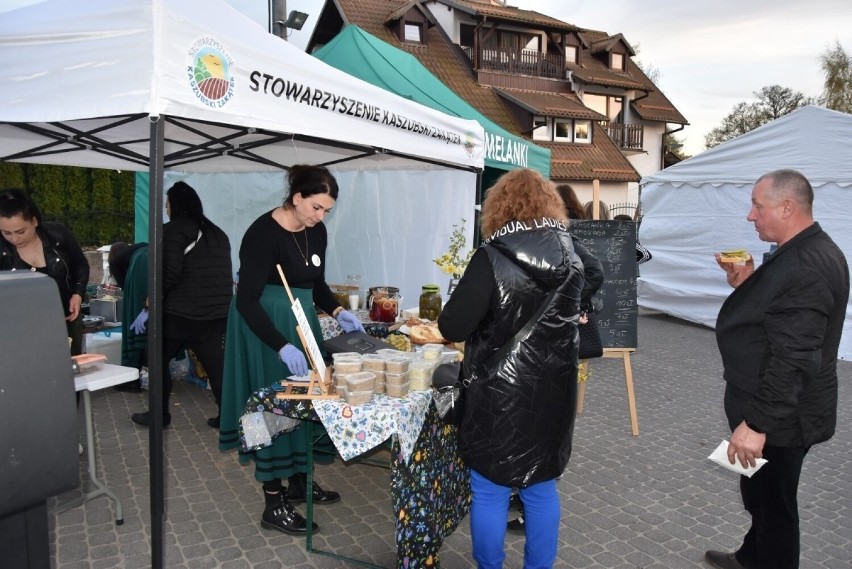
x,y
519,412
29,244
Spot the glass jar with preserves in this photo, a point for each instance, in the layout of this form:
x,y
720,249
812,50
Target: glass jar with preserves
x,y
430,302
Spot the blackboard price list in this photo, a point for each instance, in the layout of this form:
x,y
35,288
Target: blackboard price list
x,y
614,245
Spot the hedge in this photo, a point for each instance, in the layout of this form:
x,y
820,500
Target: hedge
x,y
97,205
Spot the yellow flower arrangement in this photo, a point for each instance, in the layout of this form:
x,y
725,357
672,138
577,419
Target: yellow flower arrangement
x,y
453,262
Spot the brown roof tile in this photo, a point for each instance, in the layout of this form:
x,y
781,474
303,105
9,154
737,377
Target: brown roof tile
x,y
551,104
600,160
591,69
608,43
512,14
437,55
445,61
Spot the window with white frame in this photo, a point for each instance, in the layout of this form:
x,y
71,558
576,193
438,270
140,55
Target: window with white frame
x,y
541,128
413,33
582,131
570,54
563,130
607,105
618,61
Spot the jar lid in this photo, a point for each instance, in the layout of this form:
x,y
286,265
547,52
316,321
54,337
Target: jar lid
x,y
431,288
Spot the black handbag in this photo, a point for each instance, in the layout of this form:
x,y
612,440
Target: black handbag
x,y
448,392
448,385
590,338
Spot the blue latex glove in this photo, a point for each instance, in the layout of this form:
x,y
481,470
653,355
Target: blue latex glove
x,y
294,359
140,325
349,322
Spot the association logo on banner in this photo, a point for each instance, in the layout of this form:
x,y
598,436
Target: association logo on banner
x,y
210,73
469,144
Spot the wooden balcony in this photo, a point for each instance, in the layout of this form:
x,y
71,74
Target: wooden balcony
x,y
519,62
625,136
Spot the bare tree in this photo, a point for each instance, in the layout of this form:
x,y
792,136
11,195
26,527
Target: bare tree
x,y
772,102
837,68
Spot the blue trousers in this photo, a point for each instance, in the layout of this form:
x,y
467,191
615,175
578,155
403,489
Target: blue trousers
x,y
488,514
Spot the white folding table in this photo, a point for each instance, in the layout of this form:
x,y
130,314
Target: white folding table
x,y
100,377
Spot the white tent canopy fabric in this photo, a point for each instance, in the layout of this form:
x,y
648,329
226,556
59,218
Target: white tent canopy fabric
x,y
72,69
699,206
386,226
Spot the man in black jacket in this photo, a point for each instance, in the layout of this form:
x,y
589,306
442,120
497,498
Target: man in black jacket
x,y
778,334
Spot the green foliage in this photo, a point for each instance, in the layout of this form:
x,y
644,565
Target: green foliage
x,y
772,102
837,67
454,260
97,205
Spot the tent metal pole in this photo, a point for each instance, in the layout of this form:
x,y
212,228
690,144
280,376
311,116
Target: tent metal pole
x,y
478,211
155,346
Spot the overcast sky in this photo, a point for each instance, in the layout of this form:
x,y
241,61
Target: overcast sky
x,y
710,54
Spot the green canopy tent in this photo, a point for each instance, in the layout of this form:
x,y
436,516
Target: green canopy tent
x,y
365,56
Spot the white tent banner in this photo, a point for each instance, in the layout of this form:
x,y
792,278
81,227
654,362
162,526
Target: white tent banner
x,y
699,207
203,61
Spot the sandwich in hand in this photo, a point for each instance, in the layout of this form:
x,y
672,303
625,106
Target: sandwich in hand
x,y
734,256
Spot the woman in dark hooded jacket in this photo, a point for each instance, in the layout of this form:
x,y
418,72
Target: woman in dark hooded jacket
x,y
197,289
519,413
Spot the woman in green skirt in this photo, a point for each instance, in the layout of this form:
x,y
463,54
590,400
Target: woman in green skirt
x,y
262,345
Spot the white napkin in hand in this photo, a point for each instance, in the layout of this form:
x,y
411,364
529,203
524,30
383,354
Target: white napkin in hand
x,y
720,457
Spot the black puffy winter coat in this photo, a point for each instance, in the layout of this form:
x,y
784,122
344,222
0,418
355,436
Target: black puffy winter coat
x,y
197,284
519,415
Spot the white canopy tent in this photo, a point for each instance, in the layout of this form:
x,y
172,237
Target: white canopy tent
x,y
699,207
195,86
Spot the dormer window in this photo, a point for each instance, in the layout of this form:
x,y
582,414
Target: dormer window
x,y
413,32
571,54
547,129
617,61
541,128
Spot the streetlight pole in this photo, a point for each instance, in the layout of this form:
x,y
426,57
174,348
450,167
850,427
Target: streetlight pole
x,y
277,17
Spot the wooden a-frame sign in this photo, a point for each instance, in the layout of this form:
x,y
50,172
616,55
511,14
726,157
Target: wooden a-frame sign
x,y
320,385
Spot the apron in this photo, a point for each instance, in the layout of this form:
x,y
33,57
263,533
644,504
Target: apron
x,y
251,365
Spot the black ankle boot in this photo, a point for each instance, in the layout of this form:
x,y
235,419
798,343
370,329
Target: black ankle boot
x,y
145,420
284,518
296,493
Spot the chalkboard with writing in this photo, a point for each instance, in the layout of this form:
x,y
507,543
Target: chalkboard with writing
x,y
614,245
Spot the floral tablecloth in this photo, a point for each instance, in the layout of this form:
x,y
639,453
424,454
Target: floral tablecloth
x,y
354,429
430,486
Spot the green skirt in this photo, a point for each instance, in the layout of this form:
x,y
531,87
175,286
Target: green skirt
x,y
251,365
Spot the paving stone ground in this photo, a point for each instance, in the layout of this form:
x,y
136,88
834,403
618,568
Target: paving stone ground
x,y
647,502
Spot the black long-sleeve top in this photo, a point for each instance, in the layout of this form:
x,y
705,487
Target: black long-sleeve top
x,y
302,258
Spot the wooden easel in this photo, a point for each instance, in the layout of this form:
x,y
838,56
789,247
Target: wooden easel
x,y
624,354
318,387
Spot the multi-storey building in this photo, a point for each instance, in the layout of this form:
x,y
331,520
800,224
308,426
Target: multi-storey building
x,y
573,90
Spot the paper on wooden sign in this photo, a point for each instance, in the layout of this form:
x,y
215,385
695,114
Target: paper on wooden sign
x,y
308,337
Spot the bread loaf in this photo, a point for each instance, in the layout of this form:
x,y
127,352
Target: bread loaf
x,y
426,333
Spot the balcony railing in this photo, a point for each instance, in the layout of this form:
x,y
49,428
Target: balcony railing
x,y
522,62
625,136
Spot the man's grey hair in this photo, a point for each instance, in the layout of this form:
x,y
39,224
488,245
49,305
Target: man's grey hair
x,y
793,184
